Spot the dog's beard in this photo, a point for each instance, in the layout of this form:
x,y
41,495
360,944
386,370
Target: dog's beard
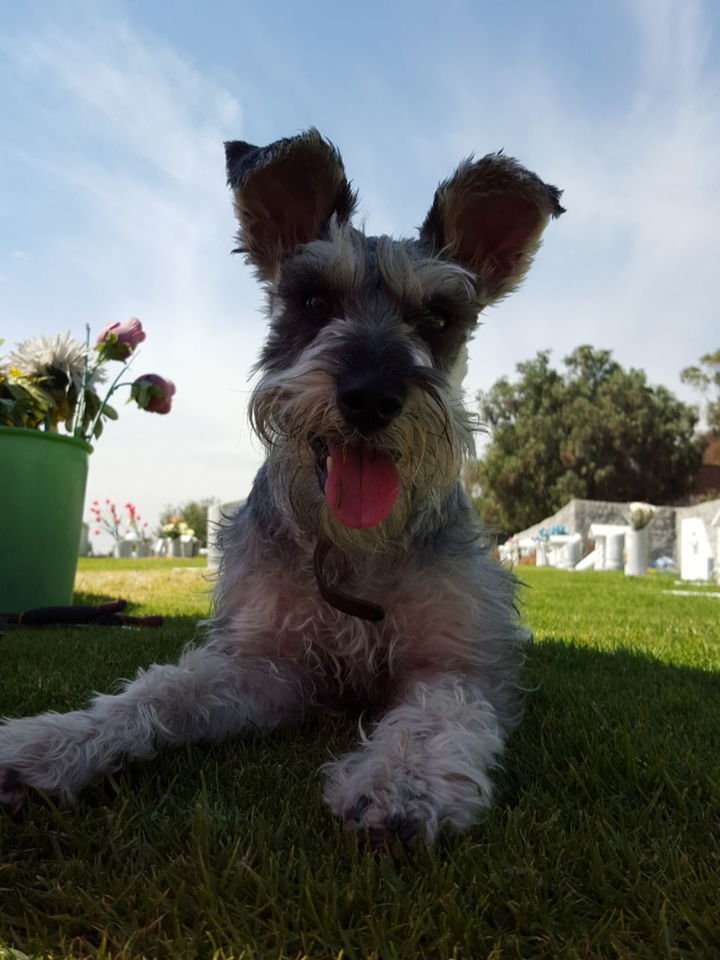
x,y
298,421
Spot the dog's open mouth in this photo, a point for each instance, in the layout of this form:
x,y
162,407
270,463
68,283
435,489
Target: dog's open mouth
x,y
360,484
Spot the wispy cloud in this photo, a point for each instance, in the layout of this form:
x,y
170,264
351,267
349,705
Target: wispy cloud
x,y
631,265
117,205
128,136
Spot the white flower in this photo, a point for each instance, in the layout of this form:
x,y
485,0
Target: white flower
x,y
38,354
640,514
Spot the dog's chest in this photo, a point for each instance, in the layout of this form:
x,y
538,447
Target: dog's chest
x,y
430,624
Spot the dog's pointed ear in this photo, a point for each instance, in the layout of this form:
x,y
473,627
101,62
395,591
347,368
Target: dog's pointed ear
x,y
285,195
489,218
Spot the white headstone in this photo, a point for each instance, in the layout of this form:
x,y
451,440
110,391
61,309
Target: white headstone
x,y
565,550
696,559
84,549
609,539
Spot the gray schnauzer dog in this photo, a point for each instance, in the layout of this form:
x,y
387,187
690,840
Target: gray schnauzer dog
x,y
356,572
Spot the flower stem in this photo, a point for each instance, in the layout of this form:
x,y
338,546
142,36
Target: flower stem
x,y
113,387
80,404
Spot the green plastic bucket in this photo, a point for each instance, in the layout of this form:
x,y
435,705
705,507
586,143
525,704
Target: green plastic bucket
x,y
42,491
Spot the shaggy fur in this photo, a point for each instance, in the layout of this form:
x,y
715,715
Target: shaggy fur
x,y
404,613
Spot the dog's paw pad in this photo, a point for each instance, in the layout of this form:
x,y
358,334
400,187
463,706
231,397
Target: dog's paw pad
x,y
380,832
399,833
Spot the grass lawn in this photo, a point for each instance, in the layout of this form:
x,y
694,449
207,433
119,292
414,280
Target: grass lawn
x,y
604,842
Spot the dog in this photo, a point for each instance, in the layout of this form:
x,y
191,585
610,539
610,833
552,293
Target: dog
x,y
356,573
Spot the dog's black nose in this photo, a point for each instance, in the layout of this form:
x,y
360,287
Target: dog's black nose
x,y
370,402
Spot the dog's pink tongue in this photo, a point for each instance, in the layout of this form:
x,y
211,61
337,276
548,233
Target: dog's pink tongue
x,y
361,486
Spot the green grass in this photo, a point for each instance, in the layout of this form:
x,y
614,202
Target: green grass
x,y
603,841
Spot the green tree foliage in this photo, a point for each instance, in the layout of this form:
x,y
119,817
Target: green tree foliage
x,y
194,513
706,379
592,430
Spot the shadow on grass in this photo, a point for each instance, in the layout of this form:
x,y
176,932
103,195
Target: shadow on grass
x,y
604,810
95,599
608,713
601,728
609,721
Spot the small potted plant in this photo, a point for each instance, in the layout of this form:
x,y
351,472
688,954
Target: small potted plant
x,y
54,399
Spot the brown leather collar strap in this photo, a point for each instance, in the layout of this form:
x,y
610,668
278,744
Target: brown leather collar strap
x,y
353,606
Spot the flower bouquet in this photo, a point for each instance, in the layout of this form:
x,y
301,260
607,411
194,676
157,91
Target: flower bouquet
x,y
179,535
54,398
640,514
49,381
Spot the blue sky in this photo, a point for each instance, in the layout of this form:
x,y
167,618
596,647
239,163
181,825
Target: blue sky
x,y
114,201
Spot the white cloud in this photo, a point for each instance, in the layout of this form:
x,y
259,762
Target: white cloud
x,y
134,153
632,263
121,210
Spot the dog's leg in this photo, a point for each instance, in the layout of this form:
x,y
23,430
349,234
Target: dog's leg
x,y
205,696
424,767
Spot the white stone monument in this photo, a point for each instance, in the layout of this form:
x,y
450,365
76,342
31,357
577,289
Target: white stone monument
x,y
637,552
84,548
565,550
696,559
609,540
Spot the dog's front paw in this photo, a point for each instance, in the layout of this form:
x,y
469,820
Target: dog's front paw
x,y
394,804
41,757
390,807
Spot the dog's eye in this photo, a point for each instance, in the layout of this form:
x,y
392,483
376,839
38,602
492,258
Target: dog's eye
x,y
432,322
431,318
316,305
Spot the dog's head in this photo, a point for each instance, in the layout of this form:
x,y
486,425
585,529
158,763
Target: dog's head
x,y
360,402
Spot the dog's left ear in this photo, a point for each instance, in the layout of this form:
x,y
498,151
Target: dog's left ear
x,y
489,218
285,195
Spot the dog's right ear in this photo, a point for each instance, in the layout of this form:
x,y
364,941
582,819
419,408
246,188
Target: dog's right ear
x,y
285,195
489,218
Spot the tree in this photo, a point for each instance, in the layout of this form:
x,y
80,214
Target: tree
x,y
194,513
592,430
707,381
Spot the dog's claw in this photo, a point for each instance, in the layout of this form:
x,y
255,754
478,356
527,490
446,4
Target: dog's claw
x,y
393,821
359,809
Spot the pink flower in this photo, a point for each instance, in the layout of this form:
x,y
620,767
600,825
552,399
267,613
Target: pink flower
x,y
153,393
118,340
